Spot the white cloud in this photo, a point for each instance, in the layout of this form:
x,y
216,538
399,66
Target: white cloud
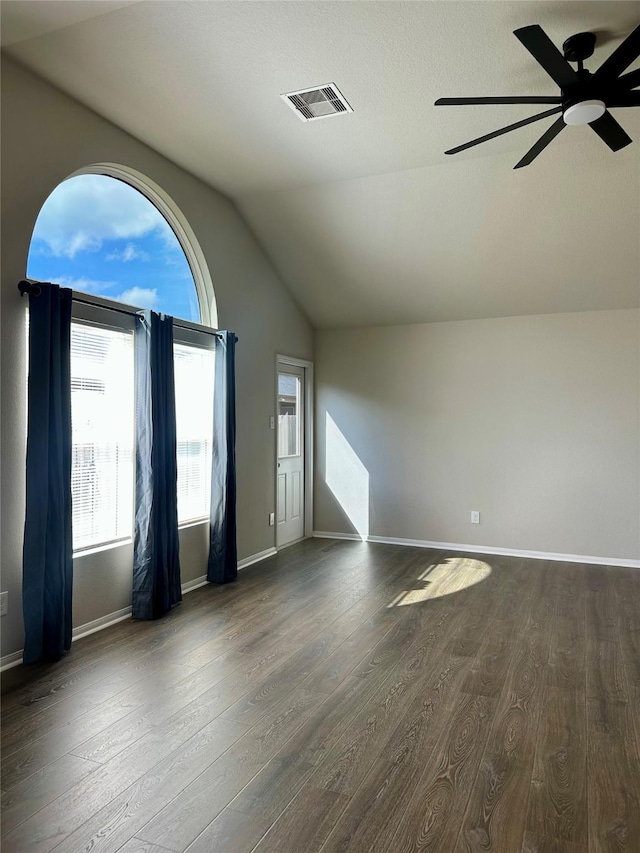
x,y
141,297
83,212
86,285
129,253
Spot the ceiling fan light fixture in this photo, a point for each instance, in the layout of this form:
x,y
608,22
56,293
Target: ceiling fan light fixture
x,y
584,112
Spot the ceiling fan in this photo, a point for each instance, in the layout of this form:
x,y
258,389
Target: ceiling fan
x,y
584,96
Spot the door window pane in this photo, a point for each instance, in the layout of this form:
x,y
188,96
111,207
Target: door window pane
x,y
288,420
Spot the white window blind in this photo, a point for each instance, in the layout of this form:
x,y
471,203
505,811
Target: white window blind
x,y
194,377
102,417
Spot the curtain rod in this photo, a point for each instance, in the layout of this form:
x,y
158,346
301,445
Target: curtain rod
x,y
33,289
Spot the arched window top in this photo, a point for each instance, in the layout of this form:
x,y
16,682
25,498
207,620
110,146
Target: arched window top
x,y
113,235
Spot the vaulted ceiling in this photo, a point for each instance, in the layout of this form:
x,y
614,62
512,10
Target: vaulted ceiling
x,y
366,219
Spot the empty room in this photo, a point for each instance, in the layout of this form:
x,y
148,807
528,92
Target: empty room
x,y
320,429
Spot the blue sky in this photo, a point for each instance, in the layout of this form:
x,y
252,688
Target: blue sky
x,y
99,235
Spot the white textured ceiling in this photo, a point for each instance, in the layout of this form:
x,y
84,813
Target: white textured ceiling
x,y
366,219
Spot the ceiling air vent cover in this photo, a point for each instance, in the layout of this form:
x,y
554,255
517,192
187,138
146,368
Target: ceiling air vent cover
x,y
321,102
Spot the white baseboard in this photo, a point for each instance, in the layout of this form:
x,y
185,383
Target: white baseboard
x,y
196,583
289,544
15,658
483,549
100,623
321,534
9,661
255,558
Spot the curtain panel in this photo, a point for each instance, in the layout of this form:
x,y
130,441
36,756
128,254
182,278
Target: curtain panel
x,y
47,568
156,564
223,553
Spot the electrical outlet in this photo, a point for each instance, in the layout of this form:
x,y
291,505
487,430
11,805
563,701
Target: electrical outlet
x,y
475,516
272,519
4,603
272,422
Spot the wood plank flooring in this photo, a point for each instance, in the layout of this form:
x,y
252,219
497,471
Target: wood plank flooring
x,y
342,697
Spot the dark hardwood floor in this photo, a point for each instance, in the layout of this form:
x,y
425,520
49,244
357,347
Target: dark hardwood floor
x,y
342,697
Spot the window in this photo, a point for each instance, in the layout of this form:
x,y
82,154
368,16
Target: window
x,y
102,428
102,412
194,376
116,237
99,235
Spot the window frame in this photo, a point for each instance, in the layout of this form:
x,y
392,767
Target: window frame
x,y
105,313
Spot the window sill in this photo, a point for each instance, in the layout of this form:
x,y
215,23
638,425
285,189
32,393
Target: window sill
x,y
194,522
121,543
97,549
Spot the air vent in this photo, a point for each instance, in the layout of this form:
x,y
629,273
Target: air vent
x,y
321,102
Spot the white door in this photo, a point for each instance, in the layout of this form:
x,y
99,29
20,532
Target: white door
x,y
290,475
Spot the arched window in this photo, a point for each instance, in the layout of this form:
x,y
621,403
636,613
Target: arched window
x,y
98,234
109,232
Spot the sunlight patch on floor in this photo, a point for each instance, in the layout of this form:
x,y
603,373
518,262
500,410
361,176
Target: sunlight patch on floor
x,y
450,575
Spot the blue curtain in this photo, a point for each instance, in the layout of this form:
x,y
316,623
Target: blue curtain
x,y
223,552
47,567
156,562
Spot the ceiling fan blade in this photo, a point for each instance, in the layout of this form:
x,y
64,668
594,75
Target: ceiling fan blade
x,y
542,143
627,99
630,80
516,99
621,58
547,54
502,130
610,132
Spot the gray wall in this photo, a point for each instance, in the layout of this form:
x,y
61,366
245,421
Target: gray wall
x,y
533,421
46,136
